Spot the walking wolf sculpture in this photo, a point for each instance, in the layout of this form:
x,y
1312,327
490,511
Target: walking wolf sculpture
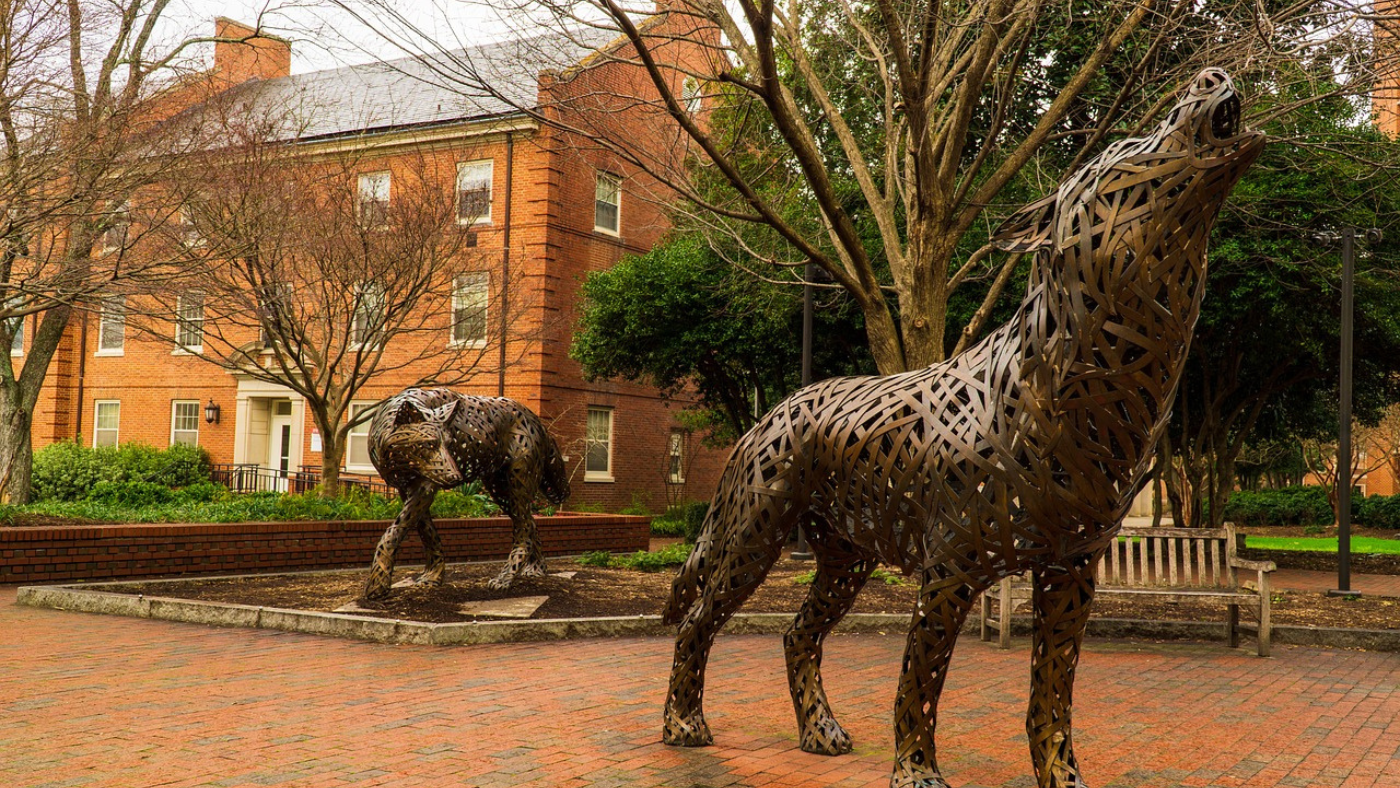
x,y
1022,453
425,440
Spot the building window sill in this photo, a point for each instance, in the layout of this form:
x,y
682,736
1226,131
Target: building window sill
x,y
598,477
108,353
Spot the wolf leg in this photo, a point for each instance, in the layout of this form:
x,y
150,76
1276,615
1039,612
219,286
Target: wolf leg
x,y
1062,596
381,569
944,602
435,567
840,575
740,565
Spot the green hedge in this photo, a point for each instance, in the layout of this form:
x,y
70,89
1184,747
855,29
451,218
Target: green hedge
x,y
70,472
1308,505
1303,505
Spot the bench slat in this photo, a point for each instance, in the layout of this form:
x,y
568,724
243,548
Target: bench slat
x,y
1200,563
1159,545
1171,559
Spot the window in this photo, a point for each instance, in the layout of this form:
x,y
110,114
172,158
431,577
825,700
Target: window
x,y
367,320
374,199
108,419
114,233
357,442
474,192
189,322
186,231
675,458
690,95
469,296
184,422
607,203
598,463
274,315
16,325
111,328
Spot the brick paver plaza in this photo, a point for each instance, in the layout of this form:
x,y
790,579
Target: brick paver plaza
x,y
105,701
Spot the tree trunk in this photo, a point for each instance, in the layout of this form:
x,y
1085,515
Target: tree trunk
x,y
16,448
18,396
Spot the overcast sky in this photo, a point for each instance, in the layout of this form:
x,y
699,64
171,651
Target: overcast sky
x,y
324,37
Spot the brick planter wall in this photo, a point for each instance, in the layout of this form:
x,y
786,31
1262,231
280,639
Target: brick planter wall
x,y
102,552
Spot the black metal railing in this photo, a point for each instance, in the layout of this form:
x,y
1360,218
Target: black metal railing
x,y
252,478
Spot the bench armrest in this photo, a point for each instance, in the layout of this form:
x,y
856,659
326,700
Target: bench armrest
x,y
1257,566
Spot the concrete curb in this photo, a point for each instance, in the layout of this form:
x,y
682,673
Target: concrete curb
x,y
90,599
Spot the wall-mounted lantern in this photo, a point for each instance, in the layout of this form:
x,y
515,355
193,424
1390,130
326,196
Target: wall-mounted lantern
x,y
211,413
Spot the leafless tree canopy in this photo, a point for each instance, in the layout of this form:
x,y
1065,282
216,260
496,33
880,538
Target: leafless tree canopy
x,y
307,271
882,140
84,89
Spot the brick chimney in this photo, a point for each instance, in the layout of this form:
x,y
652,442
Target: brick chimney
x,y
249,57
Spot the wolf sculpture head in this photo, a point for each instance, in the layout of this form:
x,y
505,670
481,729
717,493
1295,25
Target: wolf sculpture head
x,y
1172,180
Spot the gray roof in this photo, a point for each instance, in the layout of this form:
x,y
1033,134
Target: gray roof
x,y
477,82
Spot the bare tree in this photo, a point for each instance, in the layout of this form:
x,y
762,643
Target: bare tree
x,y
304,271
83,99
874,139
1373,446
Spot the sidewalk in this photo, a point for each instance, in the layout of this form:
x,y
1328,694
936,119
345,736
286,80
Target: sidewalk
x,y
129,703
1308,580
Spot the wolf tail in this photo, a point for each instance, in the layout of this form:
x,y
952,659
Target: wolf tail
x,y
690,580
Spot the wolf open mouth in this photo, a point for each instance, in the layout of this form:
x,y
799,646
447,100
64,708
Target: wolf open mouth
x,y
1225,118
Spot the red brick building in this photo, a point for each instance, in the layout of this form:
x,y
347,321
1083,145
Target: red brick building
x,y
549,207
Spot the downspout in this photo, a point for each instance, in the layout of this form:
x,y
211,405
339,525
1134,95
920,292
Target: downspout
x,y
82,377
505,266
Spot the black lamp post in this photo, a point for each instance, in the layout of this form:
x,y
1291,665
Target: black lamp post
x,y
211,412
1344,468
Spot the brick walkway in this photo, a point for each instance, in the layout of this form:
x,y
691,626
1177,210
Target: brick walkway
x,y
112,702
1307,580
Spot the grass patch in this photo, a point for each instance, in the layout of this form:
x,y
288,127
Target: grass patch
x,y
879,576
640,561
1359,544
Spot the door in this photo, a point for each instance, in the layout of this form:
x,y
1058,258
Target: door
x,y
280,444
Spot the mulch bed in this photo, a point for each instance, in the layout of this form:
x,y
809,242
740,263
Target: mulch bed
x,y
619,592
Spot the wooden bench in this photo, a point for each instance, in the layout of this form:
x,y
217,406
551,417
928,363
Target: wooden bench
x,y
1167,564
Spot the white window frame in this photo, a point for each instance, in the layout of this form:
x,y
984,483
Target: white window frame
x,y
107,316
181,348
360,338
464,168
675,457
360,432
466,289
97,421
281,293
188,234
120,218
17,340
175,414
616,182
589,442
691,97
368,191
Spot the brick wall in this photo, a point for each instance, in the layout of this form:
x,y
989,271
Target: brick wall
x,y
104,552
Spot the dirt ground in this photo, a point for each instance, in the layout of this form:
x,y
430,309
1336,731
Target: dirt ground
x,y
619,592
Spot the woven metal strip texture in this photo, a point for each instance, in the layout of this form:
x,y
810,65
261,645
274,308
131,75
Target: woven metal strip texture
x,y
423,440
1023,453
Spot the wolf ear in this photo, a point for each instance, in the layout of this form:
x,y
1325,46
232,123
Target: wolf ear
x,y
1030,228
443,413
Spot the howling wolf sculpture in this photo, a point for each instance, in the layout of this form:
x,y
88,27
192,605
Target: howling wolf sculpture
x,y
1021,454
425,440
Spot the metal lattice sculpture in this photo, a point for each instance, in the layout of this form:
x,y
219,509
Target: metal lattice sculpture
x,y
430,439
1021,454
